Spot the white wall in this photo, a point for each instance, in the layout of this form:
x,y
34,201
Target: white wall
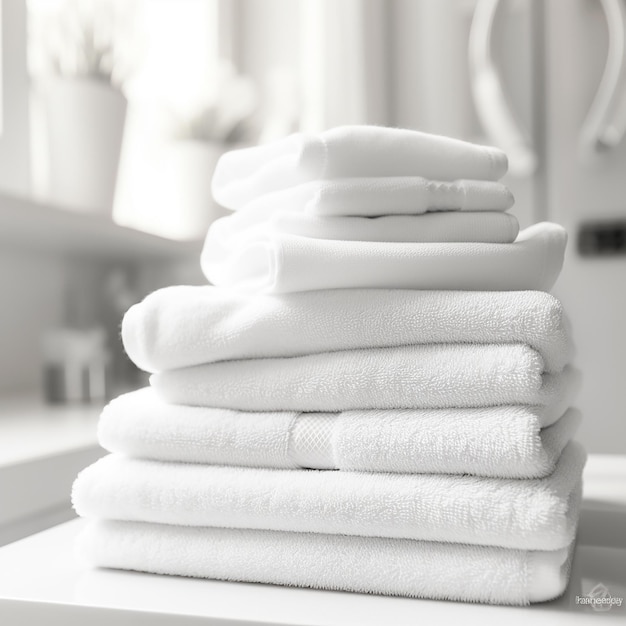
x,y
46,290
319,63
14,130
430,81
267,36
32,287
265,46
593,290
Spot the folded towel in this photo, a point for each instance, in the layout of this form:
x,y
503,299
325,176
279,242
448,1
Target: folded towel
x,y
394,195
535,514
246,228
283,263
350,152
182,326
396,567
408,377
504,442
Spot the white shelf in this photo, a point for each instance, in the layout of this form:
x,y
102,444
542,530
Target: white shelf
x,y
29,223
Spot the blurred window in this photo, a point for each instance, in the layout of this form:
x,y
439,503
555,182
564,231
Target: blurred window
x,y
14,129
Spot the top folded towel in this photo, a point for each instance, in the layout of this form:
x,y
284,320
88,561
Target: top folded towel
x,y
349,152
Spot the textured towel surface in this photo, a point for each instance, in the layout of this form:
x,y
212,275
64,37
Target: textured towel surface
x,y
409,377
396,567
181,326
394,195
536,514
282,263
246,228
349,152
502,442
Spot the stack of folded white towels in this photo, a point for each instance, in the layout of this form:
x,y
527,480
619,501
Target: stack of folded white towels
x,y
376,313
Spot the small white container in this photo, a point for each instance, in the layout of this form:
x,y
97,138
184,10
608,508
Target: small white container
x,y
75,366
188,168
84,120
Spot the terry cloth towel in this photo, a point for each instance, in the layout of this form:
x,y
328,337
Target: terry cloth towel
x,y
246,228
408,377
350,152
181,326
283,263
373,197
395,567
502,442
535,514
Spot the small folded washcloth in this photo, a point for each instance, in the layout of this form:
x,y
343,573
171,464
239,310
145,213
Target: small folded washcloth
x,y
280,263
396,567
394,195
350,152
502,442
246,228
181,326
408,377
534,514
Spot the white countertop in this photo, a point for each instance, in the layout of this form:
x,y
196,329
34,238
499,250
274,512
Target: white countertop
x,y
30,429
39,440
41,582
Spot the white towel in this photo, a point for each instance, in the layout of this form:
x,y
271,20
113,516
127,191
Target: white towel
x,y
182,326
394,195
535,514
408,377
246,228
396,567
503,442
348,152
283,263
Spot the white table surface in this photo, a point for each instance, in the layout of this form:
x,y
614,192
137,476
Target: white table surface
x,y
42,583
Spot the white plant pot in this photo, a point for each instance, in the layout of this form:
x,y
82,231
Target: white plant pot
x,y
85,125
187,170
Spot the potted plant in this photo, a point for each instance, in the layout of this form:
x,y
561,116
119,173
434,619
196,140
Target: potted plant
x,y
83,53
220,120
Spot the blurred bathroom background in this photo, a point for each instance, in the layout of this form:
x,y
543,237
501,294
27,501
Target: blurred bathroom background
x,y
114,112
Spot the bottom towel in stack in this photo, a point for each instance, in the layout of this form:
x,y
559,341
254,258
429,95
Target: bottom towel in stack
x,y
403,567
504,541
